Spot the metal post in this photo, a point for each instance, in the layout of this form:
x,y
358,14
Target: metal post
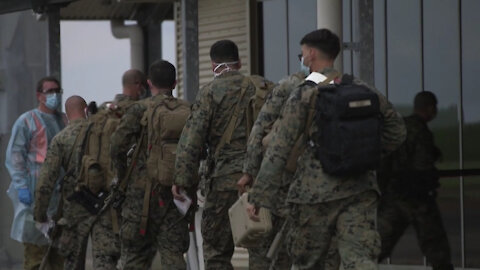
x,y
365,30
189,16
53,42
329,15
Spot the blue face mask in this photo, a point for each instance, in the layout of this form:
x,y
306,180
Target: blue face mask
x,y
53,101
304,69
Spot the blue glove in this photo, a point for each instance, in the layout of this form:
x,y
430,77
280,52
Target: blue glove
x,y
24,196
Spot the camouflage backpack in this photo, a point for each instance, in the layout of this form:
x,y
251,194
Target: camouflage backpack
x,y
164,122
263,87
96,171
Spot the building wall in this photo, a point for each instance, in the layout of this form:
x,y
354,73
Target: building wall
x,y
226,19
23,47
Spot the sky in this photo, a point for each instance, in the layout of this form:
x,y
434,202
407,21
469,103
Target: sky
x,y
93,61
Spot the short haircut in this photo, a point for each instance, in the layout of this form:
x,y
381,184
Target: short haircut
x,y
424,99
324,40
133,76
46,79
224,51
162,74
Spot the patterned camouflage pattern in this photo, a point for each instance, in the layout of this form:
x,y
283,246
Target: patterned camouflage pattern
x,y
120,100
218,244
72,213
257,259
210,116
311,189
266,118
410,200
167,230
58,154
77,223
34,255
268,115
310,184
351,220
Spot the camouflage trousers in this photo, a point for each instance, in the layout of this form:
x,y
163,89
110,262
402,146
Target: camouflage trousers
x,y
34,255
166,232
218,244
257,259
105,243
395,214
350,220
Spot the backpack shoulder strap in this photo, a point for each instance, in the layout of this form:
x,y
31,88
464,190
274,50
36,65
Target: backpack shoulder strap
x,y
313,101
232,124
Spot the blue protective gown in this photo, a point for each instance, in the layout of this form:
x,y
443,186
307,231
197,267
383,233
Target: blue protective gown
x,y
26,152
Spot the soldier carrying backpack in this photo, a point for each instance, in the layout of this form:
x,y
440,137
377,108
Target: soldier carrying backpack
x,y
150,220
95,172
333,194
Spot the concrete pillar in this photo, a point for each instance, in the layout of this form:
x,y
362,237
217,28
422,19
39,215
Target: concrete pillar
x,y
189,16
329,15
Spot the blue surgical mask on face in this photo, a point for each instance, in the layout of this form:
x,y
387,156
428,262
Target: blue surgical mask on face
x,y
53,101
303,68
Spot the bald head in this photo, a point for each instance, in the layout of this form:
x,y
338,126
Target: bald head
x,y
133,82
75,107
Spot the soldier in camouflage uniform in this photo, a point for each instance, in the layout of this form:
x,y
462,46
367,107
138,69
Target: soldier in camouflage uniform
x,y
104,232
323,206
263,125
207,124
72,242
409,193
134,87
267,116
166,230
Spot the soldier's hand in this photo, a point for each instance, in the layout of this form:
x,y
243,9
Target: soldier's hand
x,y
243,182
252,212
176,191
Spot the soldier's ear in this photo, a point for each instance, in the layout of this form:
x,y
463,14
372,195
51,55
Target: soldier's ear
x,y
239,65
174,84
150,84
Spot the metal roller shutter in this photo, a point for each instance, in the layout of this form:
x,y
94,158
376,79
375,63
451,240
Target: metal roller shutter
x,y
226,19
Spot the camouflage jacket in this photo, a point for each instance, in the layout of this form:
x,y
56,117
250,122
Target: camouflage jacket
x,y
126,135
58,154
210,116
310,184
267,116
119,100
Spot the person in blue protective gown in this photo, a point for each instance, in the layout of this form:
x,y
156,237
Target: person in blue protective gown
x,y
26,151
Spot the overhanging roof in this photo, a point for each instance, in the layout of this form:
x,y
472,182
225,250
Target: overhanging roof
x,y
140,10
8,6
114,9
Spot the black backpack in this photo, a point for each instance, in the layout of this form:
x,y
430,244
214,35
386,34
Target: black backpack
x,y
348,138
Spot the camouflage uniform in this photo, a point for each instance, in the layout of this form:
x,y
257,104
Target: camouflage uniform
x,y
323,206
73,239
167,229
411,199
105,240
266,118
208,121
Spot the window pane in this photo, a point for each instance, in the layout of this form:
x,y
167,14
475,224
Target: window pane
x,y
442,76
404,81
471,127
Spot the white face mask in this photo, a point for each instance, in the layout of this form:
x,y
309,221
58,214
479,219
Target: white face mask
x,y
226,69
